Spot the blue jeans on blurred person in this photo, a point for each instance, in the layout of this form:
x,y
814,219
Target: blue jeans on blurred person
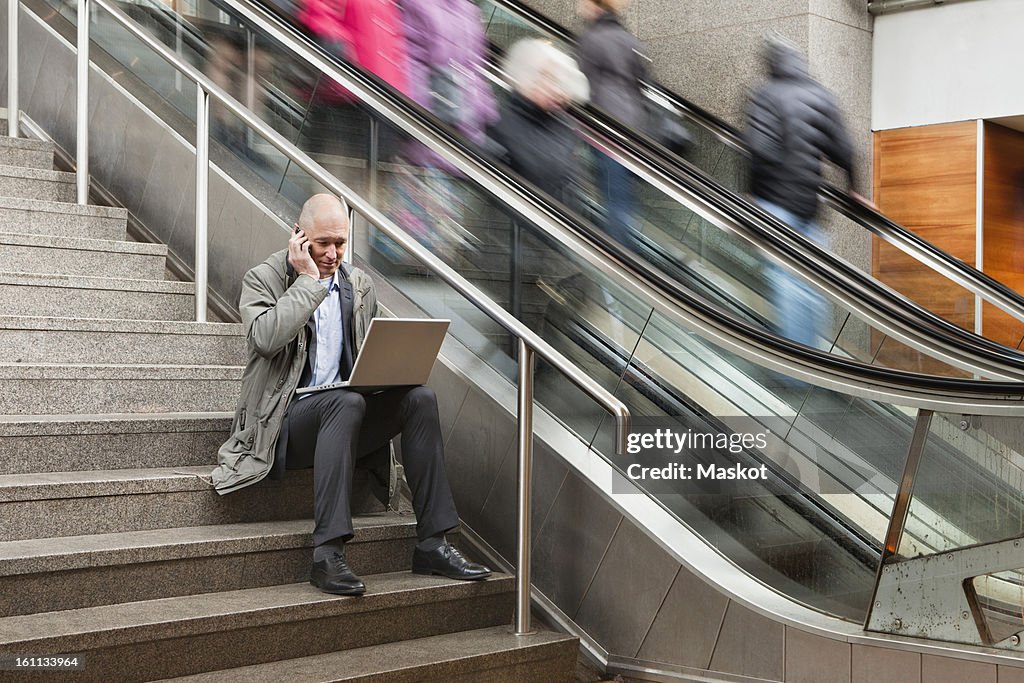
x,y
616,185
799,306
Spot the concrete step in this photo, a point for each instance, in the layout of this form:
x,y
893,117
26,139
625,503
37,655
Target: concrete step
x,y
179,636
90,389
42,575
62,443
36,217
34,183
28,339
26,153
488,655
54,504
20,253
95,297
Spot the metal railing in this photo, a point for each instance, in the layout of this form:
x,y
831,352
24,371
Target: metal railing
x,y
530,344
12,74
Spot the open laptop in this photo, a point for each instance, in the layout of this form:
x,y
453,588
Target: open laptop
x,y
396,352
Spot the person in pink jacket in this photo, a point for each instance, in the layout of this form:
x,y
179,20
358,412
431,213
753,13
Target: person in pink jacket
x,y
369,34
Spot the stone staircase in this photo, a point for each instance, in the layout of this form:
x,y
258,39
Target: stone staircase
x,y
114,547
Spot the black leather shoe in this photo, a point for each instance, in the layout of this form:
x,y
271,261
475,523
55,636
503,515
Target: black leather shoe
x,y
446,560
334,576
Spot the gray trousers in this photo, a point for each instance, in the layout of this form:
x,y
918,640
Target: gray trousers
x,y
330,430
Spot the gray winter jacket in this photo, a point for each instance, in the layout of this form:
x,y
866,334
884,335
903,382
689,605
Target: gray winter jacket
x,y
611,59
275,305
792,124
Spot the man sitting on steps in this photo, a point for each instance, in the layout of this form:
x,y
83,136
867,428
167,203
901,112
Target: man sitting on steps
x,y
306,316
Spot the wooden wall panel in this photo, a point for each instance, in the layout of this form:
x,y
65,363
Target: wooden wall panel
x,y
1003,257
924,179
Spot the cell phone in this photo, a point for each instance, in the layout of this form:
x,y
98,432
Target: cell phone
x,y
296,230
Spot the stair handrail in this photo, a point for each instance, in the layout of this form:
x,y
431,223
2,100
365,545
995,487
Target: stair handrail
x,y
529,343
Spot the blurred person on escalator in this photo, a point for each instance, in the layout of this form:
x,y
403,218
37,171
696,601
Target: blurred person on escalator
x,y
537,139
235,63
793,124
447,52
541,145
612,59
370,35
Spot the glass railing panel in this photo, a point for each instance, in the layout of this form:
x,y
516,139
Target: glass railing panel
x,y
969,486
145,65
1001,326
504,27
541,281
813,529
728,270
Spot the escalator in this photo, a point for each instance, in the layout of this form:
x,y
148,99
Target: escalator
x,y
719,155
841,422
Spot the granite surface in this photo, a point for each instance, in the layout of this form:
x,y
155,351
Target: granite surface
x,y
92,503
66,259
490,654
63,389
91,297
274,607
36,217
138,346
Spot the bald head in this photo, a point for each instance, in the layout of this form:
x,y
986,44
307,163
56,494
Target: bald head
x,y
324,221
322,209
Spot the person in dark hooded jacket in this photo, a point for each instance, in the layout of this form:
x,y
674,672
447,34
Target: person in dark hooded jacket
x,y
793,125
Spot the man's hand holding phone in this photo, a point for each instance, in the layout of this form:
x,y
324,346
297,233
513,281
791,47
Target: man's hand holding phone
x,y
298,253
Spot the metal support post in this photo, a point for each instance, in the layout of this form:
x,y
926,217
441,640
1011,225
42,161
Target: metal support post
x,y
82,105
901,504
522,617
12,67
202,197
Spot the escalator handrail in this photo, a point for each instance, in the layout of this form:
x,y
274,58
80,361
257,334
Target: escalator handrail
x,y
848,376
961,273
